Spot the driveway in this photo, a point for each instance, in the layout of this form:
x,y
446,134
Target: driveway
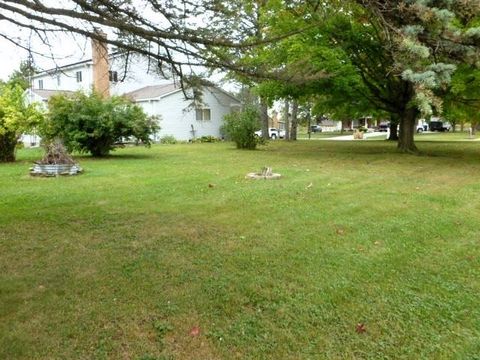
x,y
350,137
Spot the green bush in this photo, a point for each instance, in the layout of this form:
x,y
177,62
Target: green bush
x,y
16,117
90,123
240,127
209,139
168,139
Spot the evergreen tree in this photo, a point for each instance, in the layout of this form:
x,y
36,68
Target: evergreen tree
x,y
23,75
426,39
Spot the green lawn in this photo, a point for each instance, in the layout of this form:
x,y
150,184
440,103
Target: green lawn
x,y
446,136
124,260
436,136
303,134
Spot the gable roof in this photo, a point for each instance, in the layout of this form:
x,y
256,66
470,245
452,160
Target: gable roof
x,y
154,91
47,94
61,68
328,122
158,91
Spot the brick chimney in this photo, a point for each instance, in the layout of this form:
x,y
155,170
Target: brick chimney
x,y
101,80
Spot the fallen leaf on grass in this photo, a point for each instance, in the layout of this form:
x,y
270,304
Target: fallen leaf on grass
x,y
340,231
195,331
360,328
309,186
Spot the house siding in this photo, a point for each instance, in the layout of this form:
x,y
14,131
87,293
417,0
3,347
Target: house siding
x,y
137,73
177,115
68,79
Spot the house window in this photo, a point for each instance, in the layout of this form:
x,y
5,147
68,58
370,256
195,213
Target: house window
x,y
40,84
113,76
79,76
203,114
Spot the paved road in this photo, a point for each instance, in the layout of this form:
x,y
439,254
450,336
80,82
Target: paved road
x,y
350,137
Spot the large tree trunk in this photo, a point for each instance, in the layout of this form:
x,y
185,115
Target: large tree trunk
x,y
293,133
393,136
264,117
8,142
406,141
345,124
287,120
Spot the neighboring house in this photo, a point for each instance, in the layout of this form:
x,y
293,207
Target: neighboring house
x,y
42,96
183,118
122,77
365,122
138,79
330,125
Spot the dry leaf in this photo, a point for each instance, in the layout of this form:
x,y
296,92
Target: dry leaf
x,y
360,328
195,331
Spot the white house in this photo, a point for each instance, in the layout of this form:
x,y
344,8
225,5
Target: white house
x,y
124,75
184,118
139,80
331,125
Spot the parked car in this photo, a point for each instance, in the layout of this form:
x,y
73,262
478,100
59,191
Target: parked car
x,y
439,126
315,128
383,127
422,127
273,133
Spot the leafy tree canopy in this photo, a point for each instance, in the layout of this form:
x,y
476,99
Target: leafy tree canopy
x,y
462,100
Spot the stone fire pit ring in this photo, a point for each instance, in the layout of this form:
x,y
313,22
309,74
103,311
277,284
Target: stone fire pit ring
x,y
55,169
265,174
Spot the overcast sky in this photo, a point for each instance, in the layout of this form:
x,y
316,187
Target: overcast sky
x,y
62,49
9,58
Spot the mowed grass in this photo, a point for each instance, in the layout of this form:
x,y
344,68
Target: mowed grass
x,y
303,134
125,260
446,136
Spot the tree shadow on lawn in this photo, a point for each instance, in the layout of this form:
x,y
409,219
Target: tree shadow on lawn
x,y
450,149
459,151
117,156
